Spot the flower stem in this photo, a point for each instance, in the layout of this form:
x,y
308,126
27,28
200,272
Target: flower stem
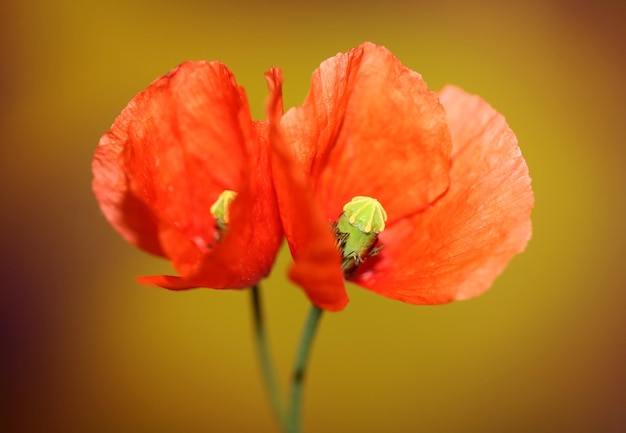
x,y
267,368
299,371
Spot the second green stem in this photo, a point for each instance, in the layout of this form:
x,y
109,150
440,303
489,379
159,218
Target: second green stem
x,y
294,424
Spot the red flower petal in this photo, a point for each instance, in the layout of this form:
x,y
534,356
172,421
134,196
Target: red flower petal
x,y
369,126
456,248
168,156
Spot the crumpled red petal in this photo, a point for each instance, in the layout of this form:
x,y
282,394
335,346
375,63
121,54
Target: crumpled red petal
x,y
168,156
457,247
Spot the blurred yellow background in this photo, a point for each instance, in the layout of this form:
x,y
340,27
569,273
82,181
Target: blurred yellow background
x,y
84,348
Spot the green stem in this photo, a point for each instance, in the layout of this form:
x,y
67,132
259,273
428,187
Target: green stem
x,y
267,368
299,371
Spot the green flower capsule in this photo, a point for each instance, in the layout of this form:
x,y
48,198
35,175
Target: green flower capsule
x,y
219,209
357,230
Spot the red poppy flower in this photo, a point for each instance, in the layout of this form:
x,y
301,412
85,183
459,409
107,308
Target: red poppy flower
x,y
445,167
167,158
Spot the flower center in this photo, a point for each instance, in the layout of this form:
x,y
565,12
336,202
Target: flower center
x,y
219,210
357,229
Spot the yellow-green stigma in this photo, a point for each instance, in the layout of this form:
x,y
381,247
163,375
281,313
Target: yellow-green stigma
x,y
219,209
357,230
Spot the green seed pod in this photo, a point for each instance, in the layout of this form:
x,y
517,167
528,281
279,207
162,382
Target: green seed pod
x,y
357,230
219,209
366,213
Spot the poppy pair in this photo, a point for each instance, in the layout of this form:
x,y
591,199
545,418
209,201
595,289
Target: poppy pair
x,y
434,183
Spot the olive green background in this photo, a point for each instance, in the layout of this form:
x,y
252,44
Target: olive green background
x,y
84,348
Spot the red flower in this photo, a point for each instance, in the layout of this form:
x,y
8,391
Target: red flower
x,y
446,168
169,155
